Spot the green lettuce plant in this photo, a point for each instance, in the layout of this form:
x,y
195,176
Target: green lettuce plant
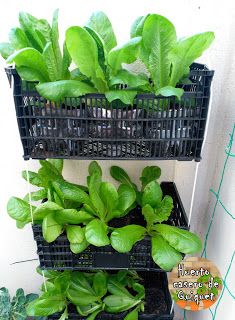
x,y
83,213
35,50
167,58
91,294
56,214
99,60
168,242
103,203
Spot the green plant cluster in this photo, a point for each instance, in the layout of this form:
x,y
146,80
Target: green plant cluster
x,y
90,293
15,308
84,213
100,61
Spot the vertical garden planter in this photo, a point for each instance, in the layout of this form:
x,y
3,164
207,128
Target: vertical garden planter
x,y
58,256
100,110
89,127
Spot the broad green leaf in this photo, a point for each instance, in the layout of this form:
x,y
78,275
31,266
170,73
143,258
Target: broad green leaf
x,y
182,240
63,280
126,53
28,24
48,172
58,90
126,198
69,191
80,282
94,167
49,274
169,91
149,215
123,239
94,192
133,315
43,30
94,314
116,288
97,233
83,50
100,283
22,224
88,209
57,163
137,26
50,228
66,62
149,174
6,50
79,247
18,209
72,216
80,292
152,194
140,289
61,65
33,177
64,315
102,25
44,209
36,195
89,309
49,303
30,74
31,58
125,95
165,256
75,234
115,304
164,210
76,74
120,175
109,196
159,37
183,54
18,39
100,46
50,60
57,199
126,77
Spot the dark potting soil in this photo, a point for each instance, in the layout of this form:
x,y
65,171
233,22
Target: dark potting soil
x,y
155,302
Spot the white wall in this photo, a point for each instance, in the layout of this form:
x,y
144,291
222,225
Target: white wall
x,y
189,17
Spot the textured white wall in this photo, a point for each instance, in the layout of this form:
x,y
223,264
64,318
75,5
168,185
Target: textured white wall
x,y
189,17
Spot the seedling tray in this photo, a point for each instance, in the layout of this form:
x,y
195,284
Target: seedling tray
x,y
58,256
158,301
89,127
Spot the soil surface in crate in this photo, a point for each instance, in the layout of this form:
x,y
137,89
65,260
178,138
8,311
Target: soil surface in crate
x,y
155,302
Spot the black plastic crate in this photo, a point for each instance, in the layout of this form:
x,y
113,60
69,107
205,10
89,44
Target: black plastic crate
x,y
90,128
158,301
58,256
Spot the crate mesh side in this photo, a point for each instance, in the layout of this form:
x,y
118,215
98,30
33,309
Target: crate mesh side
x,y
89,127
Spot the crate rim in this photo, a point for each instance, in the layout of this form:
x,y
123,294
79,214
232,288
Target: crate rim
x,y
11,71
